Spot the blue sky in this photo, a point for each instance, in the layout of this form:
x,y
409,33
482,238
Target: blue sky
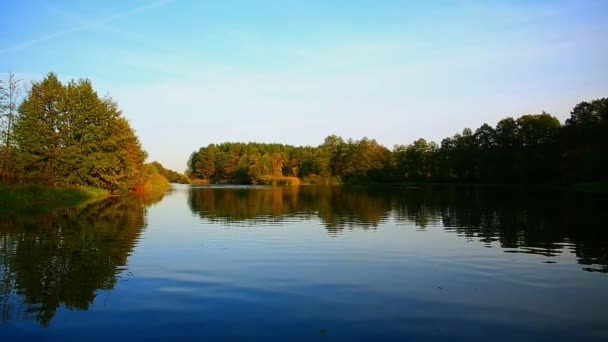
x,y
189,73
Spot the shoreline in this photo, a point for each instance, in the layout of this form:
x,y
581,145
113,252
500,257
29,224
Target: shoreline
x,y
19,197
15,197
598,187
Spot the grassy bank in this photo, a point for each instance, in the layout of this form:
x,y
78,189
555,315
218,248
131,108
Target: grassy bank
x,y
24,198
15,197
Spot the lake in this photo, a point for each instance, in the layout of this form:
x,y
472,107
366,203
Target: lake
x,y
335,263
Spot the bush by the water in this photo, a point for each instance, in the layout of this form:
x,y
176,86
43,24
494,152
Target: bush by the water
x,y
279,180
153,183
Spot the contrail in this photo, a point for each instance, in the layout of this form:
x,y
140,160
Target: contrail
x,y
85,25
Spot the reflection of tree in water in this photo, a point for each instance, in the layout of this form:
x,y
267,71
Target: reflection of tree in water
x,y
535,222
520,220
337,207
240,205
340,208
63,257
529,221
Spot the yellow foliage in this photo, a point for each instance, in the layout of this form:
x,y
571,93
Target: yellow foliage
x,y
152,184
280,180
199,181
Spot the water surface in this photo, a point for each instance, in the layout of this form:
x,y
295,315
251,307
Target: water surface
x,y
454,262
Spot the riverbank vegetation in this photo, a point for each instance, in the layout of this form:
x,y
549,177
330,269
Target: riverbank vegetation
x,y
13,197
66,136
533,148
171,175
154,182
64,141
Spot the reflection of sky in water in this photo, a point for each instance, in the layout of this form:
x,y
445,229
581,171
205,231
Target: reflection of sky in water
x,y
309,267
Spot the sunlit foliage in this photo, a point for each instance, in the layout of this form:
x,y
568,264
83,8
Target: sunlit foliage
x,y
170,175
530,149
66,135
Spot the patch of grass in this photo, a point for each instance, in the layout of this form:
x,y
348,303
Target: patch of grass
x,y
18,197
279,180
320,180
93,191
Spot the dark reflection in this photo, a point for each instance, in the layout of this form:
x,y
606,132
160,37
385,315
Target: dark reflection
x,y
62,257
337,207
520,220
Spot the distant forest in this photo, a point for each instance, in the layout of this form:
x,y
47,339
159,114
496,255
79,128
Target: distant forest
x,y
530,149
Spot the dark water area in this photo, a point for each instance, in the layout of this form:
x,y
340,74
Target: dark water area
x,y
311,263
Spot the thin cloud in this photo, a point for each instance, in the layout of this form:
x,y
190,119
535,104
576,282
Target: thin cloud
x,y
85,25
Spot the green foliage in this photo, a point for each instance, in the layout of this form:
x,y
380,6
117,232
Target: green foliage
x,y
241,163
416,161
530,149
66,135
14,198
255,163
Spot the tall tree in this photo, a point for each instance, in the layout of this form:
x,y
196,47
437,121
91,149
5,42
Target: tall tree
x,y
205,163
485,142
36,131
539,148
585,142
507,152
10,93
80,138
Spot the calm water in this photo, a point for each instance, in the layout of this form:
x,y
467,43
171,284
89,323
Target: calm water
x,y
311,263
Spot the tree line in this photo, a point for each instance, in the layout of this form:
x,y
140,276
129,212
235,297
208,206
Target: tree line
x,y
67,135
533,148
